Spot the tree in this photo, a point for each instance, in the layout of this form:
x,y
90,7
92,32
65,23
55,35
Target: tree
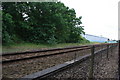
x,y
42,22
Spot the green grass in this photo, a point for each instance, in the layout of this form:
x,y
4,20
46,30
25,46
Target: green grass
x,y
30,46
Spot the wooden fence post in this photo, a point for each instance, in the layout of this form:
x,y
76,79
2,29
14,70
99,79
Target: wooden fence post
x,y
92,62
75,57
107,50
111,48
119,58
101,53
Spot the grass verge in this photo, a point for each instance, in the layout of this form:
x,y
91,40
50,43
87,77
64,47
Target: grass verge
x,y
30,46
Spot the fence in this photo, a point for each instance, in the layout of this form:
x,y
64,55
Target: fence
x,y
95,65
87,63
109,49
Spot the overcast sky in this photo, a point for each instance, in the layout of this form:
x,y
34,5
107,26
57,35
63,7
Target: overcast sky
x,y
99,17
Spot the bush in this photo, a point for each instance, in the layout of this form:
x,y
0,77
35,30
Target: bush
x,y
83,40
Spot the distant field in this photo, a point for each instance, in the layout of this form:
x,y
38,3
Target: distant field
x,y
30,46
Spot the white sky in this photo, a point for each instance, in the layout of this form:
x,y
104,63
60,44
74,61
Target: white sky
x,y
99,17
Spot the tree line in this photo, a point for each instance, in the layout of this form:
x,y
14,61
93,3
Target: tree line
x,y
35,22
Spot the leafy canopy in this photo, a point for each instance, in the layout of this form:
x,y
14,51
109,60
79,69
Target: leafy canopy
x,y
46,22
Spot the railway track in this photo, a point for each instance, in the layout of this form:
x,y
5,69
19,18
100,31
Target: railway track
x,y
21,56
48,50
33,56
44,61
55,69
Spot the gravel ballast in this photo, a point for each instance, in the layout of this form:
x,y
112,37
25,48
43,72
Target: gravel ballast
x,y
103,68
20,69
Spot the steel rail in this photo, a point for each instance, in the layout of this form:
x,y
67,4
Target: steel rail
x,y
54,49
40,56
32,57
48,50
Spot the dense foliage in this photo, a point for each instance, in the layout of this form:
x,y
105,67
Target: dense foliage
x,y
48,22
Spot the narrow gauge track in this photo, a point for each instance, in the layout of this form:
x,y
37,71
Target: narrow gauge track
x,y
14,57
